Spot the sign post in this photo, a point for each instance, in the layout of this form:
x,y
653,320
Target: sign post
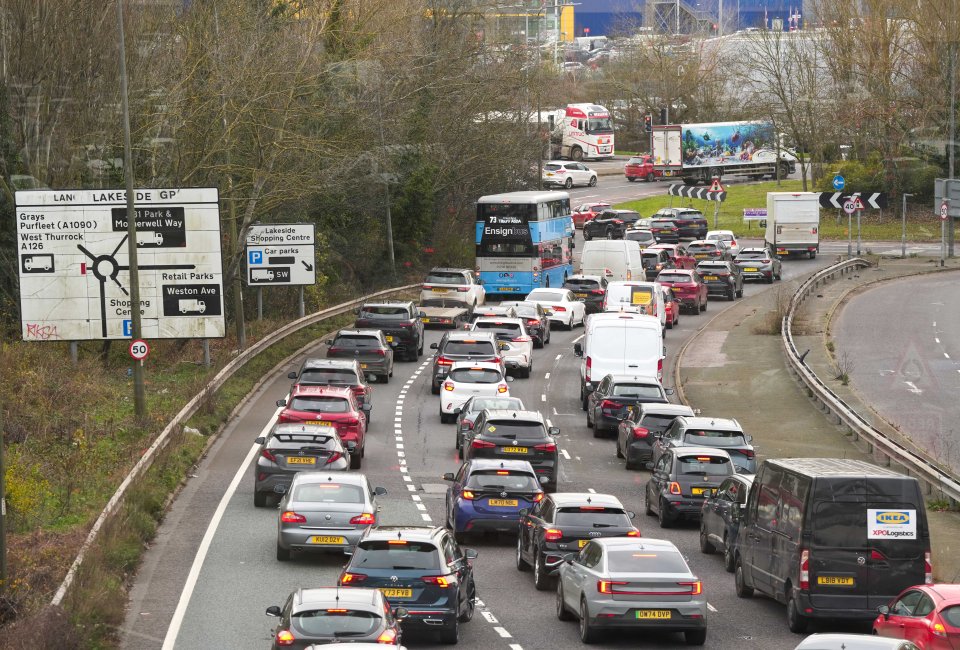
x,y
944,215
850,206
281,254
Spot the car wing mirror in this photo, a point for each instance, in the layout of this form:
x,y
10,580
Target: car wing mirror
x,y
351,445
470,554
669,391
456,411
274,610
260,440
366,408
749,438
631,514
422,314
281,402
379,491
400,613
554,431
291,375
448,476
884,611
578,349
329,341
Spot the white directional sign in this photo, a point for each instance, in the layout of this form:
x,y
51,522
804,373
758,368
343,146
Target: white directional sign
x,y
74,268
281,254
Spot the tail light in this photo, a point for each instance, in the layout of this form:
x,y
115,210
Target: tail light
x,y
634,533
696,587
553,534
618,222
439,581
366,519
533,321
547,446
609,405
388,637
640,432
606,586
598,292
674,488
927,569
428,286
482,444
715,253
463,289
334,457
559,308
538,497
443,361
589,367
350,423
733,244
380,353
407,323
352,578
447,385
290,517
468,495
285,637
334,350
629,274
805,570
521,339
502,388
266,453
286,417
660,369
748,453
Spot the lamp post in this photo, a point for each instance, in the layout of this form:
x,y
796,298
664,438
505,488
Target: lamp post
x,y
903,227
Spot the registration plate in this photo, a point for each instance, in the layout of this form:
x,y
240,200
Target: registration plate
x,y
436,290
301,460
393,592
751,269
710,277
660,614
389,339
508,288
840,581
700,256
514,450
503,503
363,365
425,320
582,542
322,423
580,295
698,492
326,539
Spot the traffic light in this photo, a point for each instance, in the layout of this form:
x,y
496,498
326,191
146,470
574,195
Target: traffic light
x,y
648,122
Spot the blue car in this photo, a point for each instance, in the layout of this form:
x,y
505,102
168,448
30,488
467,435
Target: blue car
x,y
488,494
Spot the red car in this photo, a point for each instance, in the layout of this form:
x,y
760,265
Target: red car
x,y
926,615
333,407
678,255
688,288
586,212
641,167
672,306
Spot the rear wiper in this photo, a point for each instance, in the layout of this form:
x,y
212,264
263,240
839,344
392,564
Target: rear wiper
x,y
404,568
604,525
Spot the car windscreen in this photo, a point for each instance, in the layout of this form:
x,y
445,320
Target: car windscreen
x,y
325,376
441,277
711,438
595,516
500,479
327,493
475,348
396,554
475,376
577,284
640,560
399,313
545,296
495,403
673,277
701,248
657,422
638,391
318,404
843,524
705,465
335,621
515,430
356,341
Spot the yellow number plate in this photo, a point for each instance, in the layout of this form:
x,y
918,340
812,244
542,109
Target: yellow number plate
x,y
699,255
700,491
326,539
508,288
514,450
582,542
750,269
504,503
654,613
397,593
580,295
389,339
425,320
301,460
363,365
840,581
710,277
439,290
322,423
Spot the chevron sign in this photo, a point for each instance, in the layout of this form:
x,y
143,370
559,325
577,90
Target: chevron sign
x,y
693,192
874,200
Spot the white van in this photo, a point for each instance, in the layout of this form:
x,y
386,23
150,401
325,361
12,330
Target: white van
x,y
613,259
619,343
638,297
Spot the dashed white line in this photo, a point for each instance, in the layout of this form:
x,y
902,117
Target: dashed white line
x,y
565,454
426,517
946,355
559,356
543,397
490,617
412,488
420,506
516,646
547,376
936,339
591,491
712,608
503,632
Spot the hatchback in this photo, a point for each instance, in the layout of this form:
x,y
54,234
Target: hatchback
x,y
722,278
325,512
641,167
521,435
462,346
331,407
566,174
690,222
292,448
329,614
720,518
591,289
643,236
369,347
456,284
682,478
586,212
759,264
537,319
678,255
486,494
469,379
333,372
723,433
928,615
708,250
725,236
608,402
654,261
514,344
473,407
638,430
688,288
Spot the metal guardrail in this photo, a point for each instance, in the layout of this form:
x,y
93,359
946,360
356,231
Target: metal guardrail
x,y
146,461
914,465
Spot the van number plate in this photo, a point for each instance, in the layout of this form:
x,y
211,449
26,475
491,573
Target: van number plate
x,y
839,581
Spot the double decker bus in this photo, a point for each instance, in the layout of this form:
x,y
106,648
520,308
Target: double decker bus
x,y
524,241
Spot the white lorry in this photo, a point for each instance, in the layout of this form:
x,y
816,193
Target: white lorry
x,y
192,305
793,223
581,132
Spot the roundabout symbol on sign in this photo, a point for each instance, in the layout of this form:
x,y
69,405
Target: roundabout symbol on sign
x,y
139,349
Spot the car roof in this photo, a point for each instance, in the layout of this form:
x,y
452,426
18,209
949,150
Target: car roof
x,y
349,478
621,377
662,246
448,269
683,271
850,642
636,542
702,242
471,336
317,362
493,463
719,232
499,319
387,303
332,391
519,415
714,263
945,591
665,409
371,333
416,533
580,276
486,365
621,211
566,499
342,595
697,422
704,451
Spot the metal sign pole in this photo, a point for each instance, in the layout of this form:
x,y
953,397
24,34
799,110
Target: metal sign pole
x,y
716,215
302,306
259,303
858,232
849,234
206,353
903,227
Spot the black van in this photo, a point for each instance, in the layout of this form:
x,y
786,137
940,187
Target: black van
x,y
831,538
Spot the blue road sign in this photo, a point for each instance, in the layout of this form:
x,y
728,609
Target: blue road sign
x,y
838,182
128,327
255,257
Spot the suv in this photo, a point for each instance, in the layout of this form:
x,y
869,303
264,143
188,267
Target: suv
x,y
455,284
719,433
682,478
591,289
691,223
400,322
722,278
333,372
610,224
291,448
329,406
462,346
369,347
516,435
513,342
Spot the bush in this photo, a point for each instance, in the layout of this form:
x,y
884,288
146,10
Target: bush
x,y
910,175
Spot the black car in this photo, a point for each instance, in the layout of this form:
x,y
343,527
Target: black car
x,y
400,322
609,224
654,261
722,278
475,406
721,515
537,319
591,289
665,231
516,435
607,403
461,346
420,568
682,477
643,424
562,524
690,223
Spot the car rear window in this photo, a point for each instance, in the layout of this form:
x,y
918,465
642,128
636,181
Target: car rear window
x,y
328,493
318,404
701,248
657,422
323,377
629,217
397,554
368,311
440,277
303,441
596,516
645,561
552,167
545,296
356,341
475,376
705,465
475,348
501,479
713,438
335,622
649,259
639,235
751,255
515,430
663,223
722,237
499,327
639,391
495,403
673,277
713,268
951,615
527,311
843,524
580,283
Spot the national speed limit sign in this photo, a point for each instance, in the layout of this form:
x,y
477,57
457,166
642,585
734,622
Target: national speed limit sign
x,y
139,349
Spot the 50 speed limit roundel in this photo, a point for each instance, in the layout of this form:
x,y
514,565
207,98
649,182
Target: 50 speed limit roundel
x,y
139,349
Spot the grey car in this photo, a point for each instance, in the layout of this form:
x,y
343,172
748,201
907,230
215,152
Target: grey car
x,y
324,511
632,583
759,264
369,347
290,448
720,433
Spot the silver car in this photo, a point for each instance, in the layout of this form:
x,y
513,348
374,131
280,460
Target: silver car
x,y
759,264
631,583
325,511
290,448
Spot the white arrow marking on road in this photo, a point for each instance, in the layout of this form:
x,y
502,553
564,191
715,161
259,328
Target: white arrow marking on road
x,y
565,454
913,389
711,608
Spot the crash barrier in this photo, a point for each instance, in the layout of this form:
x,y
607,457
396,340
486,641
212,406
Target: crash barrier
x,y
883,448
192,406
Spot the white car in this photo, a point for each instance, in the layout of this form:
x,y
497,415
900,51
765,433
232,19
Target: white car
x,y
513,341
563,306
453,284
564,173
727,236
470,379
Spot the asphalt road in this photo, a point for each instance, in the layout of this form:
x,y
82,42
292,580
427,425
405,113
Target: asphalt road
x,y
903,347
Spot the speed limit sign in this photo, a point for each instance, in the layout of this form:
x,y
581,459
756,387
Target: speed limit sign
x,y
139,349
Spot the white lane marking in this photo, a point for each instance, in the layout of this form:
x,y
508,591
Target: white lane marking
x,y
543,397
403,468
578,339
547,376
934,323
565,454
406,477
399,445
559,356
420,506
173,630
412,488
415,497
503,632
400,452
516,646
426,517
913,389
712,608
936,339
591,491
489,616
946,355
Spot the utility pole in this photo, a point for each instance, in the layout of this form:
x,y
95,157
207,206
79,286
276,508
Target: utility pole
x,y
948,228
139,396
903,227
3,509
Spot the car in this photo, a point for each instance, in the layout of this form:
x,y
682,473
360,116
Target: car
x,y
665,231
470,379
473,407
491,311
563,306
708,250
332,407
516,434
654,261
722,278
672,307
444,312
853,642
637,431
459,284
721,433
290,448
537,319
688,288
327,614
720,518
422,569
643,236
682,477
400,322
486,494
515,345
334,372
591,289
562,524
587,211
759,264
573,67
632,584
927,615
678,255
607,402
462,346
726,236
641,168
369,347
564,173
609,224
325,511
690,222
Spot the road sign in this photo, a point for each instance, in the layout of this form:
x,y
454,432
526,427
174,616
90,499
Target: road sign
x,y
139,349
947,188
944,211
281,254
874,200
716,186
692,192
74,269
838,182
850,206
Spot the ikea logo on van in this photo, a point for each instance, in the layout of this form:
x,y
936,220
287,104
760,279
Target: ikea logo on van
x,y
893,517
891,524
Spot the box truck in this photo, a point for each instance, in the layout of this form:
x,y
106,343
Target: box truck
x,y
793,223
581,131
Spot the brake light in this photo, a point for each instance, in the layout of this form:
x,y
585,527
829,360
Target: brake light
x,y
482,444
804,570
285,637
502,388
640,432
443,361
389,636
266,453
352,578
764,261
428,286
366,519
547,446
334,457
522,339
696,587
598,292
468,495
447,385
733,244
553,534
618,222
927,569
439,581
938,628
559,308
674,488
463,289
606,586
533,321
335,350
660,369
634,533
747,453
589,368
538,497
380,353
607,405
290,517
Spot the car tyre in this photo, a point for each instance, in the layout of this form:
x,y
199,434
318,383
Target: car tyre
x,y
593,181
451,635
796,621
706,546
563,613
586,235
384,378
631,179
522,565
696,312
283,554
619,451
729,561
470,606
740,293
577,154
695,637
541,580
740,582
435,388
651,177
663,518
259,499
732,294
356,460
769,278
588,634
705,303
608,234
568,183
